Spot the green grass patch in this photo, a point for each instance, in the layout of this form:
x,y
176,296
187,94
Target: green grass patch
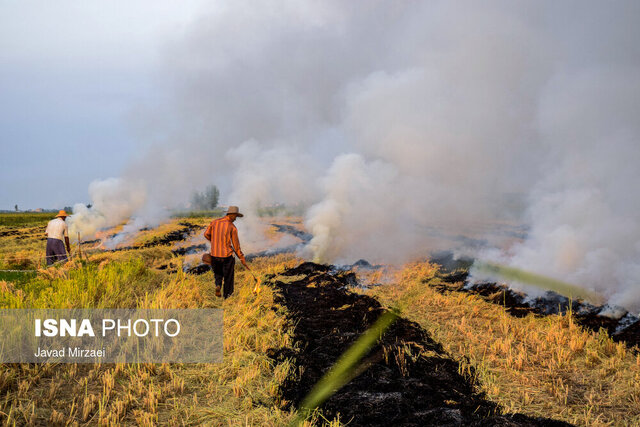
x,y
20,219
118,284
216,213
17,276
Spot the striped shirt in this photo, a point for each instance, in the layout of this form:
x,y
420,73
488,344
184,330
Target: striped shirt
x,y
222,234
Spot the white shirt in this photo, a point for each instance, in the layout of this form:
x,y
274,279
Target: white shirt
x,y
57,229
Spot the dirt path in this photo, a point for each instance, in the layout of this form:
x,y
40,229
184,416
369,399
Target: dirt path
x,y
411,380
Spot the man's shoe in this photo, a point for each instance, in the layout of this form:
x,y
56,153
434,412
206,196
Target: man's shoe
x,y
218,293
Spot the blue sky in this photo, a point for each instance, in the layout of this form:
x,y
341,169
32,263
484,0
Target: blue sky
x,y
73,75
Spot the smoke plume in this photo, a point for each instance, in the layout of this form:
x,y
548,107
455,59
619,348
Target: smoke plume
x,y
114,200
403,123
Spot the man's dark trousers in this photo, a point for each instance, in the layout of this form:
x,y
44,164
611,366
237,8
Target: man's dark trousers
x,y
55,251
223,270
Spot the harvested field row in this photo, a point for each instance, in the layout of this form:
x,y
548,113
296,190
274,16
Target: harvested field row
x,y
410,380
25,233
621,326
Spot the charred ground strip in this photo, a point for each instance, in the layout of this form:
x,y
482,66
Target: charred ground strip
x,y
410,379
190,250
624,327
173,236
274,251
285,229
289,229
167,239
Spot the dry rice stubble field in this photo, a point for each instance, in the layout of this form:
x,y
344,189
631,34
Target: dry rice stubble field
x,y
536,365
242,390
540,366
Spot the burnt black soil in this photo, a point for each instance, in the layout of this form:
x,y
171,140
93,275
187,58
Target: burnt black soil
x,y
172,236
411,381
199,269
454,274
288,229
167,239
91,242
273,252
190,250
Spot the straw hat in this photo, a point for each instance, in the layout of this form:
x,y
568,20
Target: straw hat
x,y
234,210
62,213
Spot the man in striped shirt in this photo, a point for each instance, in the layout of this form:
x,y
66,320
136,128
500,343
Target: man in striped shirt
x,y
223,236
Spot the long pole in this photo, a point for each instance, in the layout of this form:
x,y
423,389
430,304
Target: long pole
x,y
79,247
256,288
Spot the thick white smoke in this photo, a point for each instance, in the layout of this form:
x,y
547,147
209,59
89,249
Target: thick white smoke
x,y
359,207
585,210
402,123
267,177
113,201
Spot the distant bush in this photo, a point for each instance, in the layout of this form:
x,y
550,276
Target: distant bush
x,y
206,200
281,210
